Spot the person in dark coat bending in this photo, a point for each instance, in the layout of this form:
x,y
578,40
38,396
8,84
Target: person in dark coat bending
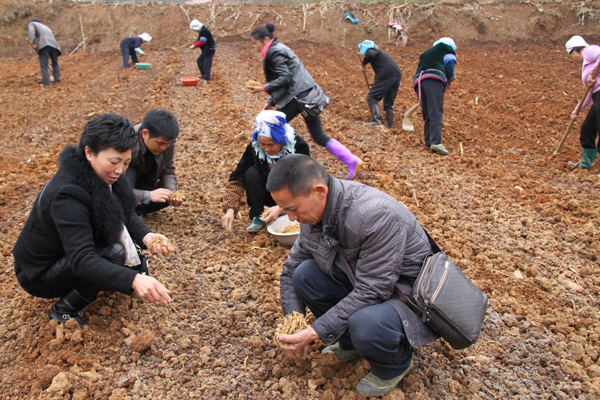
x,y
272,138
130,46
82,235
206,43
357,248
386,83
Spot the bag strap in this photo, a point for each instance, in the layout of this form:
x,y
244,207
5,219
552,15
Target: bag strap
x,y
43,221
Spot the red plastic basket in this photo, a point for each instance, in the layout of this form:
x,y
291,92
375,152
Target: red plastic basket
x,y
190,81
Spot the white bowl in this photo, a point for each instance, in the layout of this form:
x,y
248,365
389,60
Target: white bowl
x,y
276,227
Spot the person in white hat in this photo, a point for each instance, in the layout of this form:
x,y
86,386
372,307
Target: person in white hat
x,y
131,45
434,73
588,56
207,44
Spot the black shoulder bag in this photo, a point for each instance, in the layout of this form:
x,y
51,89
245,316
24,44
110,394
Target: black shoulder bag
x,y
444,298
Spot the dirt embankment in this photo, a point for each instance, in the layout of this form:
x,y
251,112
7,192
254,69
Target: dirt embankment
x,y
520,223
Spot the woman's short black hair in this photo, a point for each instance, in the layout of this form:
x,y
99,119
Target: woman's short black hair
x,y
107,131
296,173
263,31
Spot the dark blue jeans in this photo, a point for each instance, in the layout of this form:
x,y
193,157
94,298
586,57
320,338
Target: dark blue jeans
x,y
205,65
375,331
126,52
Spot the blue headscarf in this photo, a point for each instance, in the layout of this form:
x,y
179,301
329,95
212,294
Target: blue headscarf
x,y
273,125
366,45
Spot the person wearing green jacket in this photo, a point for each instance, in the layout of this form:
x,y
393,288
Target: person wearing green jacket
x,y
434,72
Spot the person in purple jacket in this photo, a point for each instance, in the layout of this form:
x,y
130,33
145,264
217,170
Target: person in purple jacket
x,y
588,56
130,46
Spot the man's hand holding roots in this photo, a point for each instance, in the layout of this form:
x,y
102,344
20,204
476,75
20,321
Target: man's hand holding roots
x,y
297,346
294,336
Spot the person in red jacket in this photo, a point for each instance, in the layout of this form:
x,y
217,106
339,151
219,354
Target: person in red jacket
x,y
207,44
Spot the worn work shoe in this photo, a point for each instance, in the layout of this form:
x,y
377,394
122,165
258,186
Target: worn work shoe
x,y
371,385
428,148
341,354
439,148
256,225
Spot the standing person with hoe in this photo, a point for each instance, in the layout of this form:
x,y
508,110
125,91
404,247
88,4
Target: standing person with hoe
x,y
207,44
386,83
288,80
130,46
434,73
589,57
42,40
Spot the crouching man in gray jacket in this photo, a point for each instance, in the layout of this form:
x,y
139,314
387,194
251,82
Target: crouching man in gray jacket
x,y
351,296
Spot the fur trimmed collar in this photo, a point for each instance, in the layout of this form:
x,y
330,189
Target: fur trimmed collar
x,y
108,209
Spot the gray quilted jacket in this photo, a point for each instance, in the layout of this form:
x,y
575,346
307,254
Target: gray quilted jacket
x,y
286,76
41,36
389,244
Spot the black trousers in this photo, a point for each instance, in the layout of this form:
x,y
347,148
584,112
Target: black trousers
x,y
152,206
313,125
386,89
432,101
591,125
60,279
205,65
44,54
257,195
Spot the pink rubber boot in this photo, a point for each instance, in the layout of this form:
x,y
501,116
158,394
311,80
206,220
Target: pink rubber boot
x,y
344,155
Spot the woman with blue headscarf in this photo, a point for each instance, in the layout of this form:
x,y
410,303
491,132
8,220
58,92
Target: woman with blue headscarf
x,y
272,138
434,72
385,85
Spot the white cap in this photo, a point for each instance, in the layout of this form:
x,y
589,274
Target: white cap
x,y
145,37
448,41
196,25
575,41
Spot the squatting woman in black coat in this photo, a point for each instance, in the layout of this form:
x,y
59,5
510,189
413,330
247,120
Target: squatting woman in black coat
x,y
82,233
287,79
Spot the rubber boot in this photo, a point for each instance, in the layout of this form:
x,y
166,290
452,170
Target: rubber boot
x,y
256,225
344,155
69,306
375,114
587,158
389,118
